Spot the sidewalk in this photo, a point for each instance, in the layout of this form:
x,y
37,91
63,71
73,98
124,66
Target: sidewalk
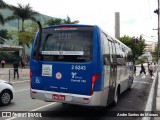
x,y
7,74
158,96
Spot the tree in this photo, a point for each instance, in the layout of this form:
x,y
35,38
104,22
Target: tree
x,y
68,21
3,36
56,21
22,13
1,19
136,44
2,6
27,36
156,54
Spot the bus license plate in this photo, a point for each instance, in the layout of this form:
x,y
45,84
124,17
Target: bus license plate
x,y
58,97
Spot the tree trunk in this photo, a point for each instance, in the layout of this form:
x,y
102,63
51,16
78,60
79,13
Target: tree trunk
x,y
22,25
23,45
23,53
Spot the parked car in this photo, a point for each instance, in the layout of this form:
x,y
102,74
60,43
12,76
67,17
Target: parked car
x,y
6,92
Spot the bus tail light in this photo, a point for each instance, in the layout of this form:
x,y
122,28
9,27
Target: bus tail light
x,y
94,78
86,99
30,77
30,74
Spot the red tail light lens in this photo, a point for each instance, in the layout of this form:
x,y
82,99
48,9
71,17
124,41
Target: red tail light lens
x,y
30,74
30,77
94,78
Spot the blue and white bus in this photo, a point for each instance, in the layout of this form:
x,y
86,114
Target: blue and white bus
x,y
79,64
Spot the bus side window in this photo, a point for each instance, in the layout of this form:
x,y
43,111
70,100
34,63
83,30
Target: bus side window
x,y
111,51
106,50
114,53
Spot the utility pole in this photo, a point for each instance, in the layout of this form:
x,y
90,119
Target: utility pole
x,y
117,25
158,12
158,34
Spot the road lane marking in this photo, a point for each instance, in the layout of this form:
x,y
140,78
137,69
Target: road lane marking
x,y
43,107
22,90
142,82
20,81
33,110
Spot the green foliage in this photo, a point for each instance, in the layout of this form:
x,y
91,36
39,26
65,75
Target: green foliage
x,y
136,44
68,21
3,5
1,19
3,34
139,61
7,56
4,54
26,37
57,21
23,13
54,21
156,53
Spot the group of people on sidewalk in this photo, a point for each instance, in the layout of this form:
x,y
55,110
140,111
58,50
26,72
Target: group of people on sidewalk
x,y
21,62
150,69
15,66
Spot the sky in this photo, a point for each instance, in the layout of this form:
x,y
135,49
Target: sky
x,y
137,17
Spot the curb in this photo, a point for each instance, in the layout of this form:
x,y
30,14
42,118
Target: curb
x,y
150,99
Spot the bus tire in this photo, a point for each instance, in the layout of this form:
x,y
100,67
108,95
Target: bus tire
x,y
129,87
116,97
64,104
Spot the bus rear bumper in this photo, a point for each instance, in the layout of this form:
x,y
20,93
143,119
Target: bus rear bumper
x,y
94,100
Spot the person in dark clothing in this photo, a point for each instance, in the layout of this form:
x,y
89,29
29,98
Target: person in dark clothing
x,y
22,63
148,65
15,66
142,69
134,70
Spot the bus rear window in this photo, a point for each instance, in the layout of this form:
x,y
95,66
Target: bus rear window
x,y
68,44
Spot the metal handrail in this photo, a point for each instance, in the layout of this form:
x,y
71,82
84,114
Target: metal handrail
x,y
10,73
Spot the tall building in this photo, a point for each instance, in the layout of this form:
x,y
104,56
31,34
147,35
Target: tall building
x,y
148,52
150,47
117,25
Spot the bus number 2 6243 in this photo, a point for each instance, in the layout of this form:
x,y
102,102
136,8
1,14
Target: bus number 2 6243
x,y
78,67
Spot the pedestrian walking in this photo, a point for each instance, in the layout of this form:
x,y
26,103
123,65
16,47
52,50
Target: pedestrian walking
x,y
134,70
148,65
151,70
15,66
154,66
22,63
142,69
3,63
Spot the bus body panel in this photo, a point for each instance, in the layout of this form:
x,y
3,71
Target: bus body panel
x,y
68,78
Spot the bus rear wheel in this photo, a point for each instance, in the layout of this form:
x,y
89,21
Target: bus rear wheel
x,y
116,97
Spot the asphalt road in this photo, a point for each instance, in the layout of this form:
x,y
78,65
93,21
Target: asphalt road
x,y
131,100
